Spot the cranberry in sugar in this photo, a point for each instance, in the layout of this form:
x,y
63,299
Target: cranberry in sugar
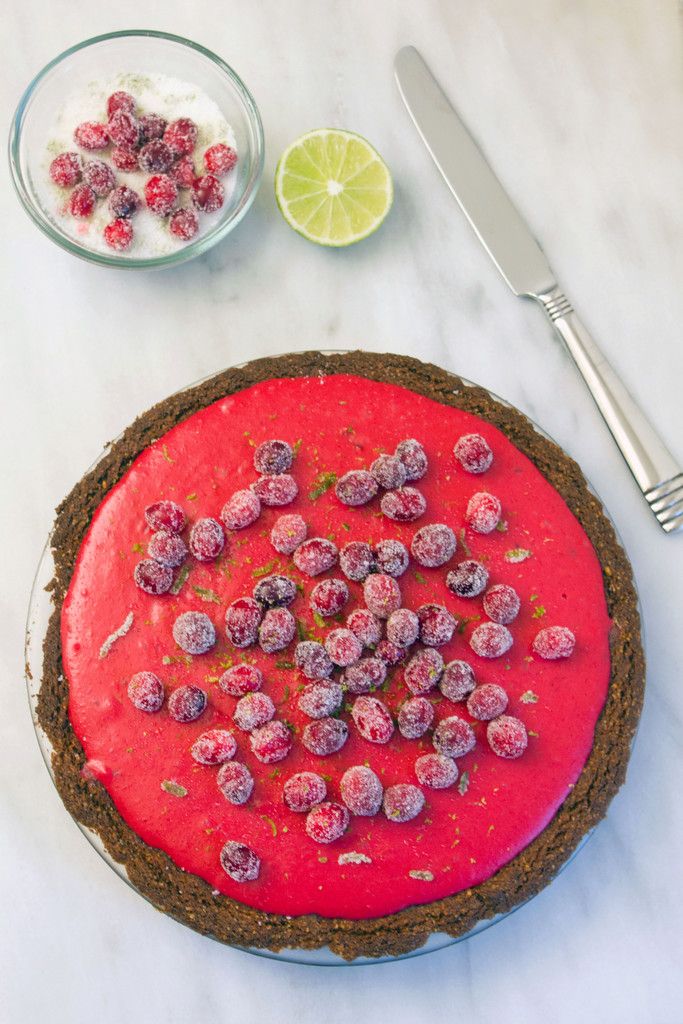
x,y
366,626
469,578
161,194
554,642
415,717
276,630
356,560
404,505
457,681
390,654
276,490
315,556
487,701
273,457
82,202
389,472
403,627
361,790
364,675
123,129
66,170
319,700
326,822
207,539
152,577
343,647
357,487
194,632
146,691
483,512
325,736
208,193
155,157
99,176
167,548
436,771
437,625
120,100
240,862
187,703
382,595
243,507
453,737
253,710
392,557
303,791
372,719
181,136
312,659
124,159
423,671
235,782
119,234
491,640
219,159
183,172
329,597
413,456
165,515
214,747
501,603
241,679
288,532
473,453
275,591
152,126
123,201
433,545
403,802
271,742
507,736
91,135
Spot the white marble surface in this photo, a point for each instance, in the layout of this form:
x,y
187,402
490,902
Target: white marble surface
x,y
579,104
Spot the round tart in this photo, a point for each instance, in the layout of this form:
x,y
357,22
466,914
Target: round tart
x,y
344,653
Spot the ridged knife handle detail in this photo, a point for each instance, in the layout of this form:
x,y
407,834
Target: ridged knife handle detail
x,y
657,473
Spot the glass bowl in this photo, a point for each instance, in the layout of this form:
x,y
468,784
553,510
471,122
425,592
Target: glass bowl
x,y
40,611
103,57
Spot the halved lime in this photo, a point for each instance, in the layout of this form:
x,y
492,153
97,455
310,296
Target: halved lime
x,y
333,187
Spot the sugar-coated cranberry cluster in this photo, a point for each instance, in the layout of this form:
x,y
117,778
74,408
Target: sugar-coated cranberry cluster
x,y
354,658
148,144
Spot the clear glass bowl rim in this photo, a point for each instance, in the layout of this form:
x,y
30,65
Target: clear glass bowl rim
x,y
205,242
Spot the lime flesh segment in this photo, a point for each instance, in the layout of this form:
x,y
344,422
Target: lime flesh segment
x,y
333,187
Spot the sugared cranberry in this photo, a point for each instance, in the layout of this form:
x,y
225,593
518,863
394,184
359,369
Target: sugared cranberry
x,y
155,157
123,201
242,620
483,512
146,691
423,671
66,169
214,747
242,508
320,699
356,560
389,472
487,701
491,640
186,703
453,737
181,136
501,603
276,630
312,659
253,710
437,625
194,632
119,234
208,193
207,539
325,736
457,681
275,591
392,557
329,597
315,556
240,862
120,100
123,129
473,453
412,455
241,679
372,719
554,642
436,771
218,160
273,457
468,579
403,627
361,790
235,782
343,647
161,194
433,545
365,675
184,224
507,736
357,487
326,822
99,176
366,626
91,135
152,126
404,505
289,531
303,791
276,490
167,548
415,717
271,742
152,577
124,159
183,172
403,802
390,654
165,515
382,595
82,202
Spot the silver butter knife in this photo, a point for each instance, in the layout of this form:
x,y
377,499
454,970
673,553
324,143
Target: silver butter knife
x,y
519,258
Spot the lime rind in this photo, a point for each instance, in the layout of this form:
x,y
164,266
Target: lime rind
x,y
333,187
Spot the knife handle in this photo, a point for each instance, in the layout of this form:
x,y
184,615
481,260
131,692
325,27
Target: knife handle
x,y
657,473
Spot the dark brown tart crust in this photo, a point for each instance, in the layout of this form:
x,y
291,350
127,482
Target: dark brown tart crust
x,y
190,899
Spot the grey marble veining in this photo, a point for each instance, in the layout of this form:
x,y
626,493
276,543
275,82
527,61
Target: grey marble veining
x,y
579,106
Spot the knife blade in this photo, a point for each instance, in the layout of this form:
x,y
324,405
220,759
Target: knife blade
x,y
523,265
